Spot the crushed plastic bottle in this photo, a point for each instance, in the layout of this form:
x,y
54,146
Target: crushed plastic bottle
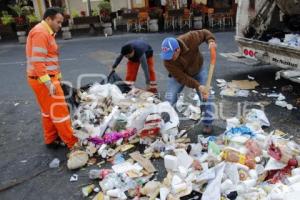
x,y
99,173
119,158
110,182
129,183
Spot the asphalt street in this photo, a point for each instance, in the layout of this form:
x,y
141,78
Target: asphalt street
x,y
24,158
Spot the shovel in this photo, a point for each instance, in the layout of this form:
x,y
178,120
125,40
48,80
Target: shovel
x,y
213,56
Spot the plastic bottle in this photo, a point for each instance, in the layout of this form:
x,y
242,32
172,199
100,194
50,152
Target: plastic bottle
x,y
99,173
129,184
232,155
180,105
110,182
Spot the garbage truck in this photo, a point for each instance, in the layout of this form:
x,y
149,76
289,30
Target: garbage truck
x,y
268,33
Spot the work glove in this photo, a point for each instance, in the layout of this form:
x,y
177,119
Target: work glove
x,y
51,88
113,68
212,44
204,93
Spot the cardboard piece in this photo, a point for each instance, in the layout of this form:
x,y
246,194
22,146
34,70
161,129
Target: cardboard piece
x,y
143,161
126,147
243,84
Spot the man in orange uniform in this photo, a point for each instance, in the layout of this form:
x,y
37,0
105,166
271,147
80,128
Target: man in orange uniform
x,y
43,75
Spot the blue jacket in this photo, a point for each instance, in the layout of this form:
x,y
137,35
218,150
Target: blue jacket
x,y
140,48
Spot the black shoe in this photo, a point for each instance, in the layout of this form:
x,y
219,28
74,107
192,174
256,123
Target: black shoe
x,y
207,130
56,144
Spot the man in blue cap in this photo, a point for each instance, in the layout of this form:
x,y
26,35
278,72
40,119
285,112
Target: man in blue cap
x,y
184,61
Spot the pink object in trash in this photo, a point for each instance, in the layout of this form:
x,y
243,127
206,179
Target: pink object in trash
x,y
274,152
113,137
253,149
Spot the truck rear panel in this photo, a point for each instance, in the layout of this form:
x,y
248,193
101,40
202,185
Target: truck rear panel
x,y
286,57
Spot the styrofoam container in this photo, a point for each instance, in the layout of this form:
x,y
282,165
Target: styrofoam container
x,y
171,162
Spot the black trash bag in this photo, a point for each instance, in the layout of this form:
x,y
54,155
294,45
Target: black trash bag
x,y
114,78
70,96
193,196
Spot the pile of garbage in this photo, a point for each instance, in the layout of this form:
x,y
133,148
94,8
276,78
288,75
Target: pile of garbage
x,y
292,40
243,163
106,117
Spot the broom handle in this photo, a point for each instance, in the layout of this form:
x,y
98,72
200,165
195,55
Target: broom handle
x,y
213,56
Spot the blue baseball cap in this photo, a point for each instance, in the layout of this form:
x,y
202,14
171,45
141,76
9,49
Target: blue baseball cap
x,y
168,47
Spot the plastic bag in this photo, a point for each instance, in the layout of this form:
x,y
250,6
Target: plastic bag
x,y
173,122
103,91
232,122
241,130
138,118
213,189
232,173
70,95
256,115
151,126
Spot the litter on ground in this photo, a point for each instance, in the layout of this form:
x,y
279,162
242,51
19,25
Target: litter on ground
x,y
244,162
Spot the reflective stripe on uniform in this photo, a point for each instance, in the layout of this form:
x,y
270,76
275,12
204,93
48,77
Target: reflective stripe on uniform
x,y
39,50
44,78
36,59
129,82
55,59
45,115
52,67
60,120
59,76
41,59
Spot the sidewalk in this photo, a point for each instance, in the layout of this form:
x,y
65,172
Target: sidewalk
x,y
83,34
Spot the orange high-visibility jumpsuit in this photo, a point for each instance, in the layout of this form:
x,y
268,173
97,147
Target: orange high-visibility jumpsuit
x,y
42,66
133,68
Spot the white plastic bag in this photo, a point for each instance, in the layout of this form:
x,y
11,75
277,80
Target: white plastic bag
x,y
213,189
232,122
256,115
232,173
137,119
174,119
102,91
